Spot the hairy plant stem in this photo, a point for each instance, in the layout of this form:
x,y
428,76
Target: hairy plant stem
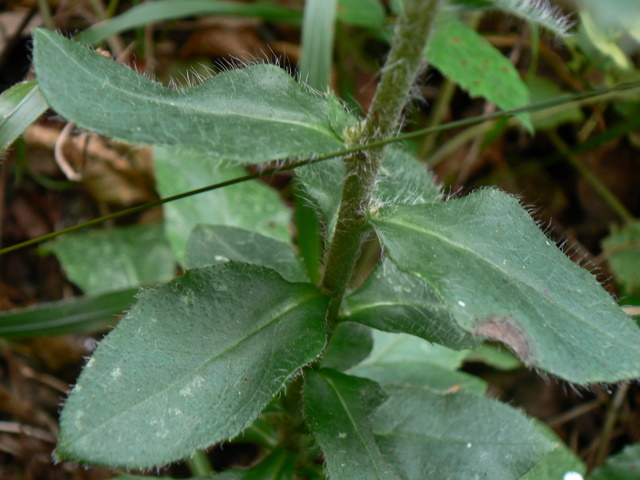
x,y
398,75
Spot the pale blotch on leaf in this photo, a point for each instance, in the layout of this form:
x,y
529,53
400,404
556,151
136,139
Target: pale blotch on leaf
x,y
498,328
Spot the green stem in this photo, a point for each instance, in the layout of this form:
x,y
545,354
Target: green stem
x,y
199,464
398,75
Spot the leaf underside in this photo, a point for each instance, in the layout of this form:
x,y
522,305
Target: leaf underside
x,y
193,363
501,278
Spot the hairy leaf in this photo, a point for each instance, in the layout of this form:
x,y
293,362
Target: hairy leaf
x,y
210,244
501,278
247,115
397,302
114,259
402,181
249,205
456,435
336,407
193,363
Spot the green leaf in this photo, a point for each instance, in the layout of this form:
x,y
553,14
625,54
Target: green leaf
x,y
543,89
102,261
623,249
337,407
537,12
318,32
20,106
397,302
495,356
249,205
164,10
79,315
432,435
402,181
211,244
501,278
467,59
349,344
247,115
279,465
623,466
407,360
193,363
365,13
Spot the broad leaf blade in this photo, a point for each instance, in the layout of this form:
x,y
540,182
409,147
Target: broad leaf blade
x,y
248,115
501,278
349,345
210,244
119,258
20,106
401,360
79,315
432,435
249,205
336,407
193,363
469,60
397,302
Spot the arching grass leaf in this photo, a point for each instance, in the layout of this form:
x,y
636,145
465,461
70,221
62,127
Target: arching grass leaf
x,y
20,106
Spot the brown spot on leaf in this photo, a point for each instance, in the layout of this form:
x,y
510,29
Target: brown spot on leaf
x,y
498,328
456,40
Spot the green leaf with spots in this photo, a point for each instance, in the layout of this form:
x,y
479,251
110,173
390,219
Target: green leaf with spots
x,y
247,115
501,278
193,363
466,58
